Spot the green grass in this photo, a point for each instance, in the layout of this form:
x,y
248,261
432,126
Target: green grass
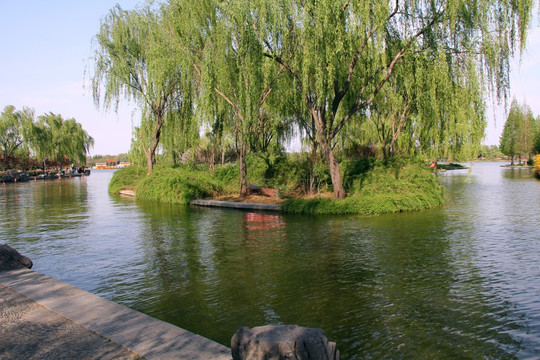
x,y
178,185
127,179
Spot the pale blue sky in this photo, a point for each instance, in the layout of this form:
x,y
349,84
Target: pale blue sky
x,y
46,46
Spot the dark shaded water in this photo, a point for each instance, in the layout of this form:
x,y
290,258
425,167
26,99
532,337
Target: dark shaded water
x,y
458,282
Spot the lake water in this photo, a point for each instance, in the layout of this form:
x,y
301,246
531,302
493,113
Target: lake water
x,y
461,281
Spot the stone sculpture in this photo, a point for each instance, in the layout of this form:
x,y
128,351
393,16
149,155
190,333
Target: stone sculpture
x,y
279,342
11,259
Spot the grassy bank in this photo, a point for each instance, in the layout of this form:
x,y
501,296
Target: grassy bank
x,y
381,189
373,187
178,185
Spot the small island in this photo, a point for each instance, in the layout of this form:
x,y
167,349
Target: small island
x,y
373,187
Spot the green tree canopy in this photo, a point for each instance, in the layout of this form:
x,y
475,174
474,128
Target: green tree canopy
x,y
49,138
15,130
518,136
60,140
409,76
234,76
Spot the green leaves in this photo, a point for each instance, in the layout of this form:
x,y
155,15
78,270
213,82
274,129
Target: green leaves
x,y
60,140
15,130
51,137
520,130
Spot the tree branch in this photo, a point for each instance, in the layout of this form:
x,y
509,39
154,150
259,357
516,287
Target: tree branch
x,y
352,65
389,69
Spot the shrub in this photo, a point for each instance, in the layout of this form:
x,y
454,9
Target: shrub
x,y
278,171
393,187
127,178
177,185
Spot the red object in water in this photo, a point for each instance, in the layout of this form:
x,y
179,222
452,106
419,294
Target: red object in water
x,y
433,164
258,221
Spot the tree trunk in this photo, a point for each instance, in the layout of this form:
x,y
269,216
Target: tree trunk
x,y
312,172
151,153
325,141
385,152
243,170
335,175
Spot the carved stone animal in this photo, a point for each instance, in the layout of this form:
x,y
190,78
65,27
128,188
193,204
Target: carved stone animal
x,y
282,342
11,259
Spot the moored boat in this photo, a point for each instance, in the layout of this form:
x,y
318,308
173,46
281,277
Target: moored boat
x,y
13,176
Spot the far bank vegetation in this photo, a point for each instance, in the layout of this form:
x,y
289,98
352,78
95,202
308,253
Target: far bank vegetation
x,y
47,141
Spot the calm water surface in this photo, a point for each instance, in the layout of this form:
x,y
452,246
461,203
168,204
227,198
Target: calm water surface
x,y
462,281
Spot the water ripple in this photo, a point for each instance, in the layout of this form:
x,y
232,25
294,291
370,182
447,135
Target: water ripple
x,y
457,282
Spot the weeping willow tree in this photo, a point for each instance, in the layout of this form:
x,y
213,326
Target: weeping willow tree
x,y
341,54
234,76
15,130
180,134
518,136
136,61
63,141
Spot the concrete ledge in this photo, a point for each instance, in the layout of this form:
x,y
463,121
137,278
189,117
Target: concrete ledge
x,y
142,334
236,205
126,192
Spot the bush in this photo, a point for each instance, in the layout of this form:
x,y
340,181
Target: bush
x,y
127,178
394,187
277,171
178,185
355,170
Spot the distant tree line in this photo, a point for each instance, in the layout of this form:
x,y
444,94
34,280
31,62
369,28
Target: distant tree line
x,y
27,142
93,160
346,77
521,133
490,152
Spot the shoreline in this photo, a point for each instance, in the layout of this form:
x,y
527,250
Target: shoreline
x,y
140,334
236,205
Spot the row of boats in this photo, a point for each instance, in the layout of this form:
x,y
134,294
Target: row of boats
x,y
13,176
